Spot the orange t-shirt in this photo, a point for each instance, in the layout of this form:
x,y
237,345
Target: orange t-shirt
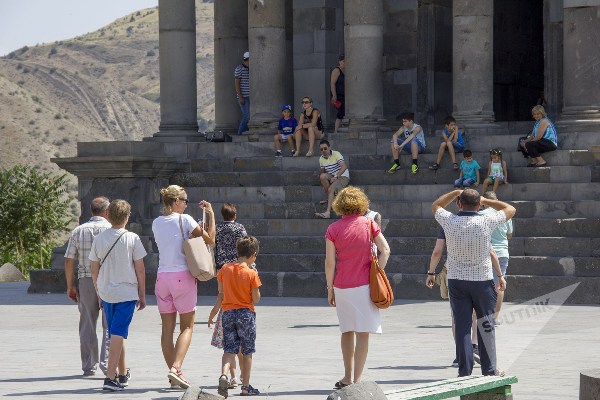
x,y
238,282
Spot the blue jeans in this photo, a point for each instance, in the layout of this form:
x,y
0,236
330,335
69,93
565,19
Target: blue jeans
x,y
466,182
245,108
466,296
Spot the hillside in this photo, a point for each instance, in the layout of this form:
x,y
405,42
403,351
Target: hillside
x,y
100,86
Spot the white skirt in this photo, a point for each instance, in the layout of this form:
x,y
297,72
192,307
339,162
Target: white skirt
x,y
356,312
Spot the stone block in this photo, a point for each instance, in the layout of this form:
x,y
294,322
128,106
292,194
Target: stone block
x,y
45,281
10,273
359,391
198,393
57,259
589,385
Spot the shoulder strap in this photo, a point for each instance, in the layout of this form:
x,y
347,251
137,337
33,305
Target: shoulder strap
x,y
111,247
371,235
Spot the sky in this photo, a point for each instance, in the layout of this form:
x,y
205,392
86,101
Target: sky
x,y
29,22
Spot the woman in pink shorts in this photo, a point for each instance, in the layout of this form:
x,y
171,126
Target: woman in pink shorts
x,y
175,287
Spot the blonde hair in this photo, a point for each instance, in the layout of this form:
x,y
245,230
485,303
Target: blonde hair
x,y
351,200
169,195
118,211
539,109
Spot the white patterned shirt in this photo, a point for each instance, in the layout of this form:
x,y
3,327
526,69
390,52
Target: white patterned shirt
x,y
80,243
468,243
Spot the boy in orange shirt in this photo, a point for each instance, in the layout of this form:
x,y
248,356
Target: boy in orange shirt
x,y
238,286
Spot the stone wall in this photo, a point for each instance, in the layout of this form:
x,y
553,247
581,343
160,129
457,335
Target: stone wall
x,y
518,58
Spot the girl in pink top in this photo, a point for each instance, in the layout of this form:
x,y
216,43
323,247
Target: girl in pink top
x,y
348,259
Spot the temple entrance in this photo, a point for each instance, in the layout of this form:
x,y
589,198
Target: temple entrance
x,y
518,58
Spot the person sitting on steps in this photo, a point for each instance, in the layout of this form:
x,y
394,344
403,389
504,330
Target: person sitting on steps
x,y
452,140
310,126
409,138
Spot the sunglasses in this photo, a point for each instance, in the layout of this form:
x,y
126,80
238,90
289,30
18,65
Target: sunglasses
x,y
186,201
305,102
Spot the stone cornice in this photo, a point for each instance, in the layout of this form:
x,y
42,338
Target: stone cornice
x,y
122,166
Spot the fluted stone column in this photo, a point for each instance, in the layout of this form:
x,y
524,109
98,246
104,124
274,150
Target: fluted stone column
x,y
177,46
473,62
267,40
363,37
581,61
231,41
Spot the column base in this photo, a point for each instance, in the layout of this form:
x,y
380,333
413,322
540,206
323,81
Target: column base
x,y
362,124
580,116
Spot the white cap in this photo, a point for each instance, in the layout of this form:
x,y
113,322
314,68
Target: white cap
x,y
246,55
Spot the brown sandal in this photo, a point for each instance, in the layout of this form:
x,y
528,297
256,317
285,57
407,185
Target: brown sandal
x,y
177,377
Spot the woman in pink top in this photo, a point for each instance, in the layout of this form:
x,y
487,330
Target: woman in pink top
x,y
347,265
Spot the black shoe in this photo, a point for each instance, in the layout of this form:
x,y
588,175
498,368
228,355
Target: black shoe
x,y
112,385
455,363
124,379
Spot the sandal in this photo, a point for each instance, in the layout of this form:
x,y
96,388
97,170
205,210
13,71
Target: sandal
x,y
322,215
339,385
435,167
233,383
309,154
177,378
454,166
540,165
249,391
223,386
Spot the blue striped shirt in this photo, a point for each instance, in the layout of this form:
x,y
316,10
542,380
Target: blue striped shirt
x,y
550,132
243,74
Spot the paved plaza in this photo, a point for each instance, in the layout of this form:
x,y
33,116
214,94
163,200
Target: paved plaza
x,y
298,355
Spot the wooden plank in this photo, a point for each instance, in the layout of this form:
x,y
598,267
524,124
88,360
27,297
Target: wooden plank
x,y
453,388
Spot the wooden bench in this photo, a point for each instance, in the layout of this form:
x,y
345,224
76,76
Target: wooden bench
x,y
467,387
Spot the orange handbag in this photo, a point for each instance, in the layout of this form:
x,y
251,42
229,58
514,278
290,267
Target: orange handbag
x,y
381,291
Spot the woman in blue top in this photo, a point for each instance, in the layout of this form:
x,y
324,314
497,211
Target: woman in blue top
x,y
542,139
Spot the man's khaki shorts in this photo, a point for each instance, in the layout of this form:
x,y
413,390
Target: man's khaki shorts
x,y
339,183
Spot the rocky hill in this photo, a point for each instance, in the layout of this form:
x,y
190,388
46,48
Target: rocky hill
x,y
100,86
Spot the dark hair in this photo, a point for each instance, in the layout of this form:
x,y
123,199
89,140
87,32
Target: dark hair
x,y
325,141
341,57
99,205
467,153
491,195
497,152
408,115
448,120
247,246
228,211
470,198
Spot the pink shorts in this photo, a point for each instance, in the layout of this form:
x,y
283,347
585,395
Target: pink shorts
x,y
176,292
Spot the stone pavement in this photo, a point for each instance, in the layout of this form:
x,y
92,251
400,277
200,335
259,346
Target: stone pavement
x,y
298,355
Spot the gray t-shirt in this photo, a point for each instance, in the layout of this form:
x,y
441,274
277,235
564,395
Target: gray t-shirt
x,y
117,281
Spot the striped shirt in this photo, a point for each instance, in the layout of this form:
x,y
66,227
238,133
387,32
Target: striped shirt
x,y
333,164
80,244
243,74
550,132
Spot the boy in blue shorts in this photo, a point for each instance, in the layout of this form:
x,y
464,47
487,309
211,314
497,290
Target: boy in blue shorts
x,y
238,286
452,140
469,171
409,138
117,261
285,130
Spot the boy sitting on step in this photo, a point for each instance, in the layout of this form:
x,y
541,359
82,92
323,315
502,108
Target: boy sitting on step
x,y
285,130
469,171
409,138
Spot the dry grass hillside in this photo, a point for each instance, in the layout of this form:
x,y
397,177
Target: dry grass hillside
x,y
100,86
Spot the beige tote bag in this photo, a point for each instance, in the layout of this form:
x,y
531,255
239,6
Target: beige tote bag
x,y
200,259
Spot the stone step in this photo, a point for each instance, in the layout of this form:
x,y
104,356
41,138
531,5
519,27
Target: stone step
x,y
563,174
390,210
518,246
382,193
405,286
420,227
377,162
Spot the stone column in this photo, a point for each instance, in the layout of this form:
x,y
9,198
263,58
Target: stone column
x,y
363,37
177,47
231,41
267,40
581,61
553,56
473,62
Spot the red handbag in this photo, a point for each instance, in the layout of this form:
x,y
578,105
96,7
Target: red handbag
x,y
379,285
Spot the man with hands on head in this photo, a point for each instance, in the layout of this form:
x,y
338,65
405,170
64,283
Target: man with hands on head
x,y
470,277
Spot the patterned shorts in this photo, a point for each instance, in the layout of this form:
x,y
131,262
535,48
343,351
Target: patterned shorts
x,y
239,329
